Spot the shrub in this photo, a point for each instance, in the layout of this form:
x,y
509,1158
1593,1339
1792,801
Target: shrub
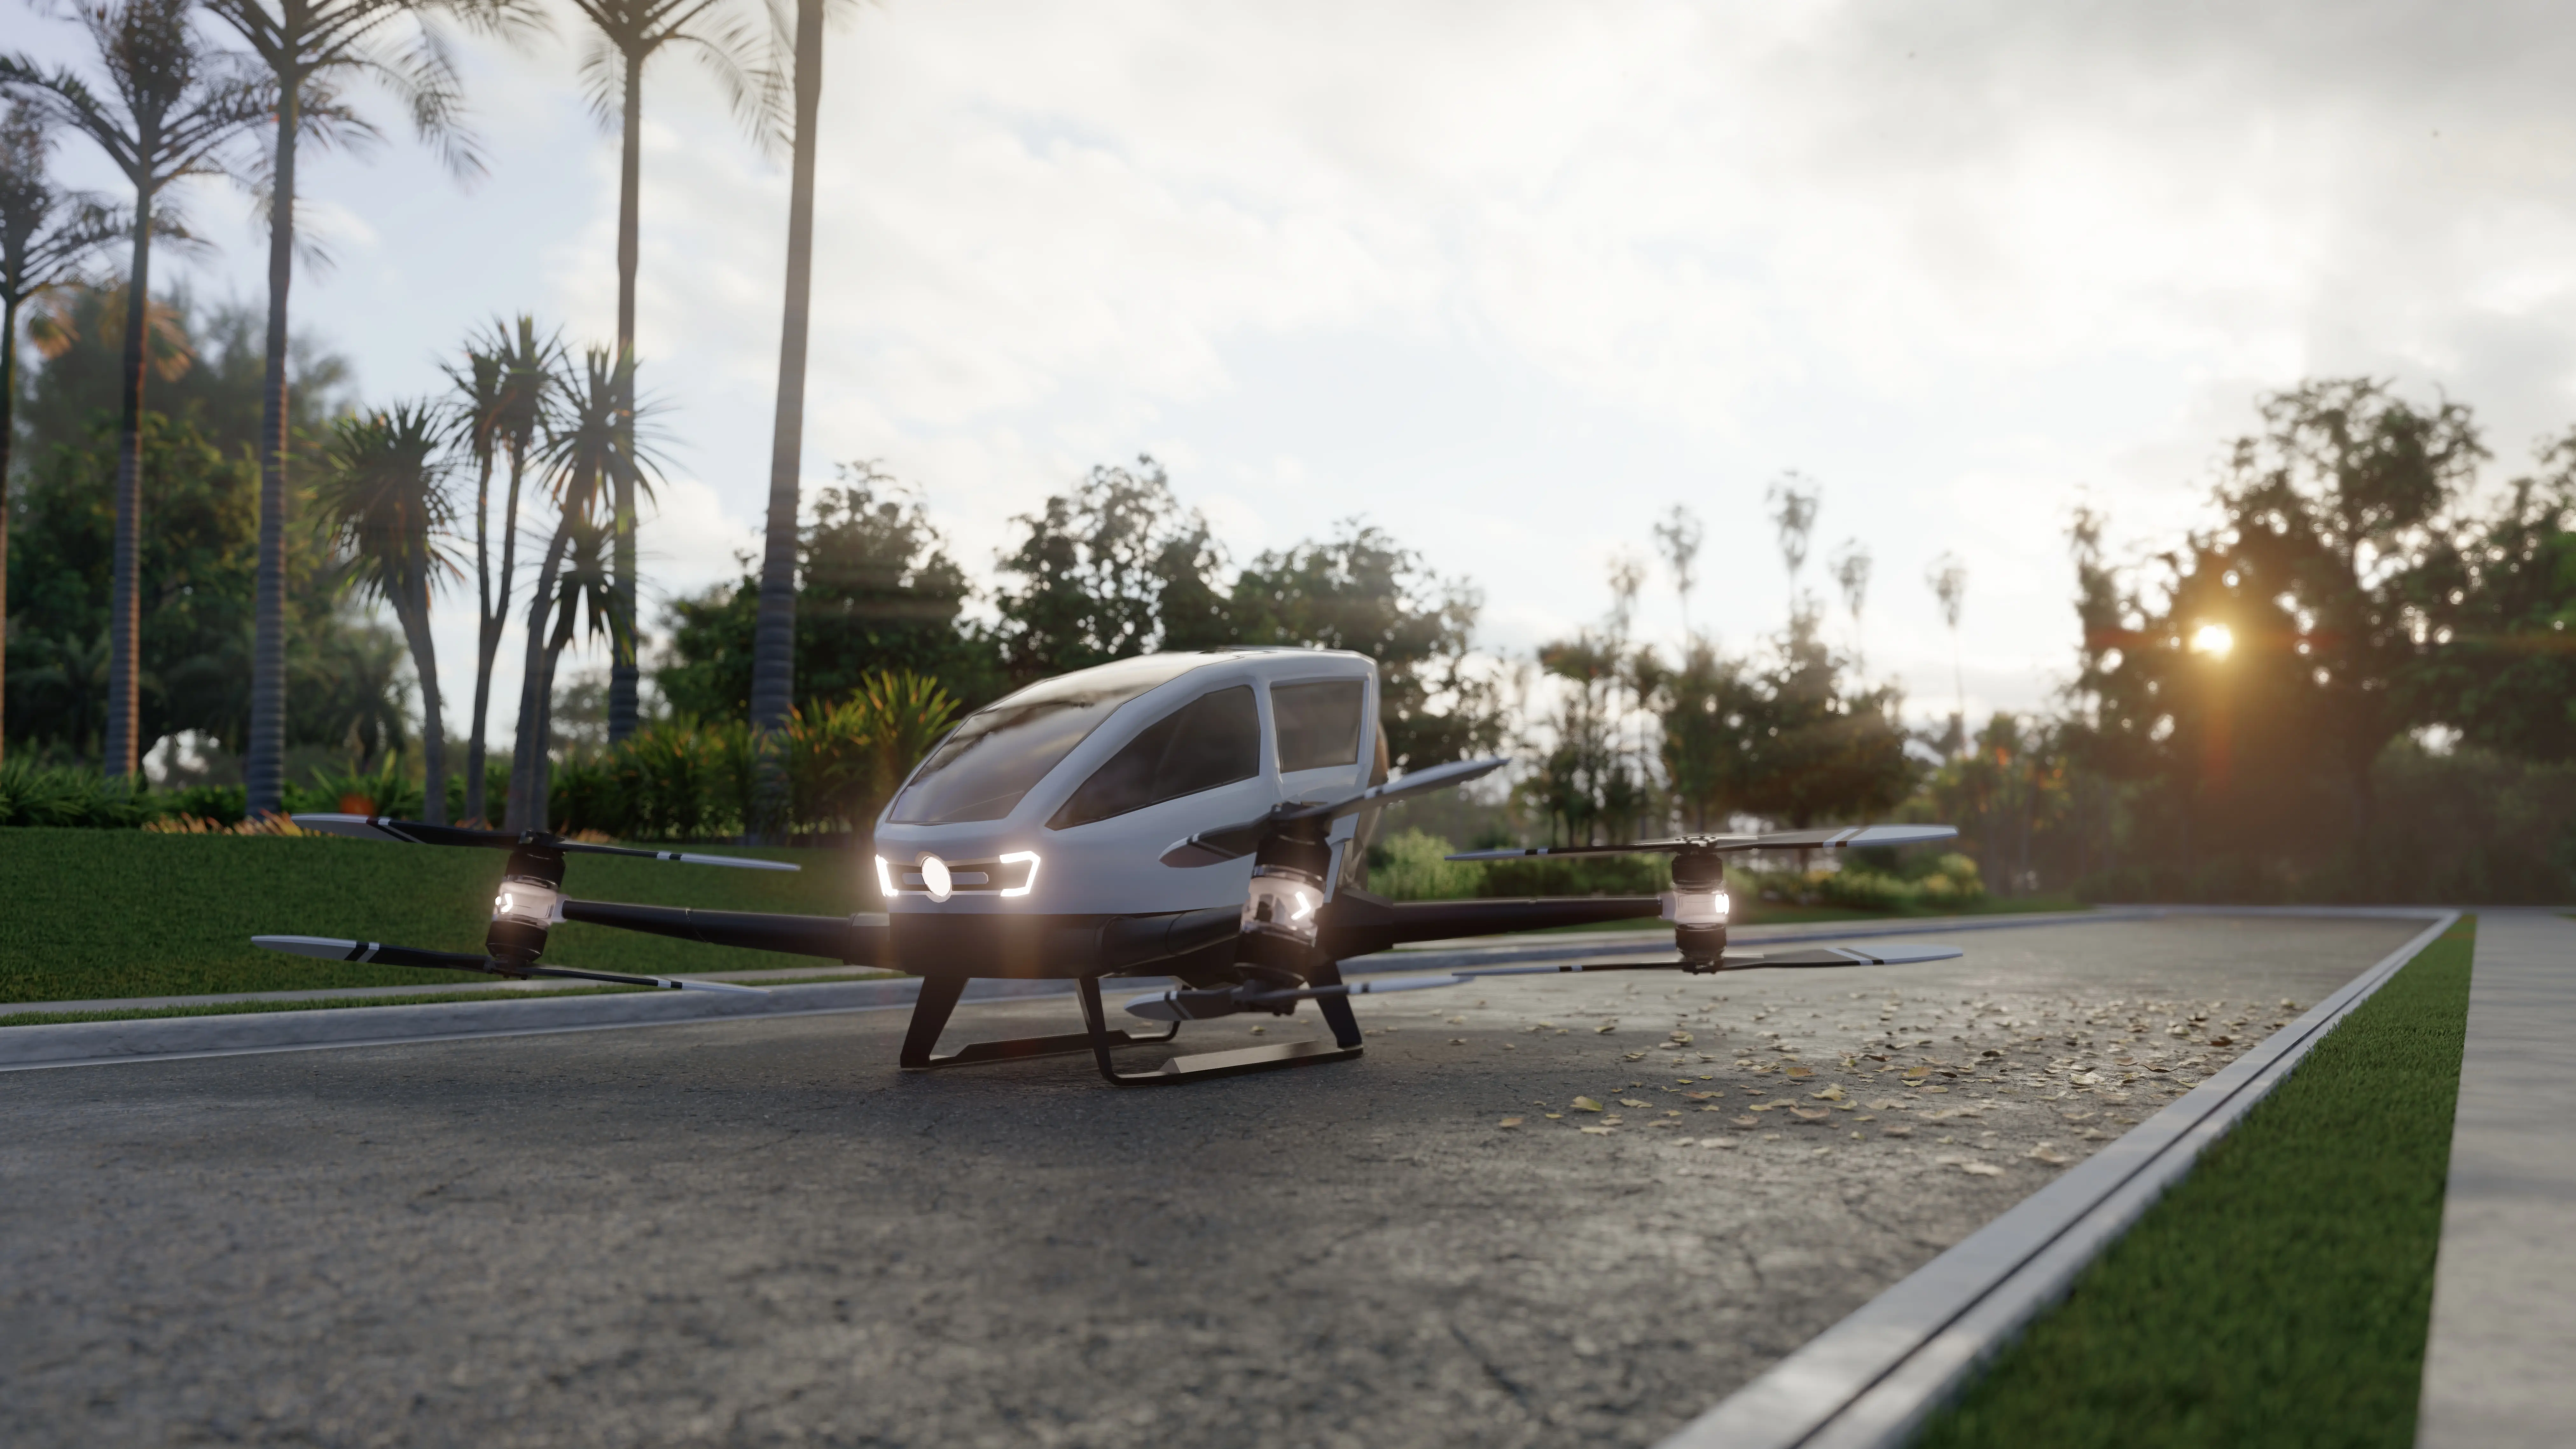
x,y
1409,866
71,796
1865,890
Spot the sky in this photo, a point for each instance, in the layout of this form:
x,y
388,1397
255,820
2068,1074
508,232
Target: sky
x,y
1512,280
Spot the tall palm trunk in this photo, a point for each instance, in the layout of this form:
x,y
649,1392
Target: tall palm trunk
x,y
527,804
413,614
490,621
264,772
125,633
8,430
622,679
773,650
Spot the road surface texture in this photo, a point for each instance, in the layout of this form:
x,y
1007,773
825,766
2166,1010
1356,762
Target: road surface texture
x,y
759,1233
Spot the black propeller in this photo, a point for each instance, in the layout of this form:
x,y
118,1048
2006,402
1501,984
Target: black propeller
x,y
1233,842
323,948
414,832
1842,838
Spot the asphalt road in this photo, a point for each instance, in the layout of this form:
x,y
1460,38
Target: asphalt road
x,y
759,1233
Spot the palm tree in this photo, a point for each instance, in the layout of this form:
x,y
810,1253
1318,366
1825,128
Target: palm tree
x,y
46,235
509,384
312,48
173,105
585,582
598,444
773,650
382,502
629,33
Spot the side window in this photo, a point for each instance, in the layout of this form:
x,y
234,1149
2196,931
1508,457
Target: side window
x,y
1319,724
1213,740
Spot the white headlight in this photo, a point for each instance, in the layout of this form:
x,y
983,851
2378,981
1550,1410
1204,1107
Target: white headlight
x,y
1026,886
885,878
935,878
1696,907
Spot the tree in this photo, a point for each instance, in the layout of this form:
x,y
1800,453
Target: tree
x,y
47,235
174,104
2499,604
1794,500
1678,539
626,35
1815,748
382,501
507,392
1708,704
1099,563
1947,578
597,443
773,686
876,592
1360,590
1850,567
311,50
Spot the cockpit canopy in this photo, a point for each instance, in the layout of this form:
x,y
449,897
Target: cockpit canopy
x,y
1198,742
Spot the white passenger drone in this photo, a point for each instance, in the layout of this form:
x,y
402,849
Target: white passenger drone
x,y
1201,817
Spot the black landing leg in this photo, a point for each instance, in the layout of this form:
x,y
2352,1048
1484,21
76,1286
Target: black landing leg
x,y
1337,1014
938,998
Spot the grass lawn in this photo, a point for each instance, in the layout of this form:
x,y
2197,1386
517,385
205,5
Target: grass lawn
x,y
2280,1294
105,913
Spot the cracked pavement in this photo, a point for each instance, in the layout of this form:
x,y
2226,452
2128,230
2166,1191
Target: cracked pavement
x,y
758,1232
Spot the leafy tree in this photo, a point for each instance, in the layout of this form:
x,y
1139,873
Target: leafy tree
x,y
382,502
173,104
312,50
1361,591
1816,746
2499,609
47,234
1098,564
876,592
1707,706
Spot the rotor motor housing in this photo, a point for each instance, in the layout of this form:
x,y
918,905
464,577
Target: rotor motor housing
x,y
525,908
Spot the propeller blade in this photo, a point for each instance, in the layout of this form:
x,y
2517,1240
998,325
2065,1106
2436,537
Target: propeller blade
x,y
1872,955
409,832
1215,847
414,832
1643,847
1839,838
574,847
1850,836
377,953
1232,842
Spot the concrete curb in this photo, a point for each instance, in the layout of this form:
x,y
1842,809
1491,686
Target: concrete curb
x,y
1870,1381
100,1043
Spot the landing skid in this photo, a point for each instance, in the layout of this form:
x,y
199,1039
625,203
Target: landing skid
x,y
939,997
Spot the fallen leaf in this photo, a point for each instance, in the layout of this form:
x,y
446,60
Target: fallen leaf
x,y
1509,1122
1981,1169
1809,1114
2077,1116
1829,1094
1596,1131
1717,1142
2048,1154
1586,1104
1936,1089
1634,1057
2222,1041
1747,1122
1605,1028
1612,1120
1555,1116
1664,1122
1802,1071
1261,1031
1633,1102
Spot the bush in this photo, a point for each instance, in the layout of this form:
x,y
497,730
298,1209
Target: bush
x,y
1865,890
1409,866
71,796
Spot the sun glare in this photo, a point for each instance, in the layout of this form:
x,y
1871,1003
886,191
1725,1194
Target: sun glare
x,y
2213,640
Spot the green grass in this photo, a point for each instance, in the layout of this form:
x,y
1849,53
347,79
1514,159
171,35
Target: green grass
x,y
2280,1294
107,913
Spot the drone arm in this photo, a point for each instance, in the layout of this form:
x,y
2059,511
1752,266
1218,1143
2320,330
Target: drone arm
x,y
859,940
1357,923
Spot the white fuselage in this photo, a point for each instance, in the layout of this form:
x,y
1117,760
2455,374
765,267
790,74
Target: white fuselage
x,y
1050,865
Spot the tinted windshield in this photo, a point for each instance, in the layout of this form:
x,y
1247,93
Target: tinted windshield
x,y
1002,750
1319,724
1213,740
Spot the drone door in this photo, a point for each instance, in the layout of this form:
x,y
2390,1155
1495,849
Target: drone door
x,y
1211,742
